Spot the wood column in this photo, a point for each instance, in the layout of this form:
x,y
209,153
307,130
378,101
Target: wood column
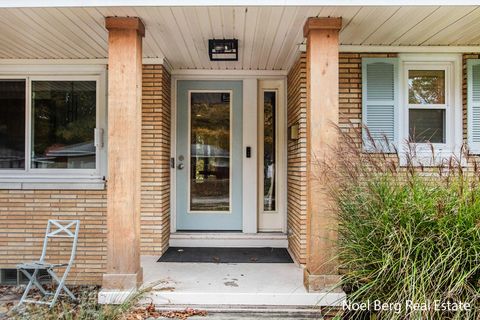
x,y
124,152
322,117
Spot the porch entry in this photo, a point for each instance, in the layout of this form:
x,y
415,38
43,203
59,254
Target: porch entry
x,y
209,155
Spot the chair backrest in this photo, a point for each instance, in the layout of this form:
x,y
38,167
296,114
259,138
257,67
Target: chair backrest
x,y
61,229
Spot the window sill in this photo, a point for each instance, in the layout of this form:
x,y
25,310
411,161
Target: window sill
x,y
41,183
427,159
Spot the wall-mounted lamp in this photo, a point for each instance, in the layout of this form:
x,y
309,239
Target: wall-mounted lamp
x,y
293,132
223,49
302,47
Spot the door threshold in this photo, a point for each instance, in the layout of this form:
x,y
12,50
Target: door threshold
x,y
228,240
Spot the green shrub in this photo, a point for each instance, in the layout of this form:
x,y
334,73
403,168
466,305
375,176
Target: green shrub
x,y
409,233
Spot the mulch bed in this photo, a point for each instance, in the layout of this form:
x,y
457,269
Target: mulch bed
x,y
10,296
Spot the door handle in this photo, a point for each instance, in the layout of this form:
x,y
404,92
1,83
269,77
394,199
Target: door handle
x,y
180,166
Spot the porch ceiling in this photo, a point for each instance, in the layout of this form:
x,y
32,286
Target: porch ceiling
x,y
268,35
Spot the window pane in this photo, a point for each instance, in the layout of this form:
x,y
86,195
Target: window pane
x,y
269,106
63,123
210,152
12,124
426,86
427,125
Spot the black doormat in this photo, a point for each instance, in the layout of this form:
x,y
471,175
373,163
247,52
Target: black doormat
x,y
226,255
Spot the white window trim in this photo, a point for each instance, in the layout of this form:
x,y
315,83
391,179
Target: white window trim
x,y
29,178
452,64
273,221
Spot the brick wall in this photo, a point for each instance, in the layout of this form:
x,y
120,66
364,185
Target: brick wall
x,y
350,119
297,180
24,213
23,219
351,90
350,106
155,224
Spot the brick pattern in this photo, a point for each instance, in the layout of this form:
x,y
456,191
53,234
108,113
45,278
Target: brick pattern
x,y
23,219
155,218
24,213
351,91
296,159
350,118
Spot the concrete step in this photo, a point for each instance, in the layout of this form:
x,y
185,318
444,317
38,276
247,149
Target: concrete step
x,y
227,239
230,312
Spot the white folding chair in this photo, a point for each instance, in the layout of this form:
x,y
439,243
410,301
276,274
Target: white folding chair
x,y
55,229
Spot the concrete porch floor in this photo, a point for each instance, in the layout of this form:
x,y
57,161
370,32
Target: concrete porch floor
x,y
233,285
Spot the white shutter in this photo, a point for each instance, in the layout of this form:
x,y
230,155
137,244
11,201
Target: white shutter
x,y
473,105
379,104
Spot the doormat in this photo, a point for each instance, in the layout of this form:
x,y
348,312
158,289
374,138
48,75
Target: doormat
x,y
226,255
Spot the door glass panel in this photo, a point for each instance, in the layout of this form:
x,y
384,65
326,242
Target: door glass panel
x,y
269,106
210,151
12,124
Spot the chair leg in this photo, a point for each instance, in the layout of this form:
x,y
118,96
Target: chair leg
x,y
33,279
29,286
61,285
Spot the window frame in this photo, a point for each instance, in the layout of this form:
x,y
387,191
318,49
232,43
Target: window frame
x,y
59,178
430,106
452,65
261,148
274,220
19,171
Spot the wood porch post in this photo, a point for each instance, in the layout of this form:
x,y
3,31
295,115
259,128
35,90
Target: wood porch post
x,y
322,116
124,159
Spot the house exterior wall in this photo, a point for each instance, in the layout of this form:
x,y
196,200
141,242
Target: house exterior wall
x,y
350,122
350,118
155,203
350,91
24,213
23,219
297,160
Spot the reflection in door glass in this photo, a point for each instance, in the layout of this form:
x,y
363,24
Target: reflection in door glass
x,y
269,105
210,151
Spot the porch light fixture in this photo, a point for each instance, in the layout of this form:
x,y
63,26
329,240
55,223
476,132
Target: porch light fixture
x,y
293,132
223,49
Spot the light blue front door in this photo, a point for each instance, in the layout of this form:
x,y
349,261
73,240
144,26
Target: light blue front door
x,y
209,155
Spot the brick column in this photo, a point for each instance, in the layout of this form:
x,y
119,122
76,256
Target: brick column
x,y
322,116
124,152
